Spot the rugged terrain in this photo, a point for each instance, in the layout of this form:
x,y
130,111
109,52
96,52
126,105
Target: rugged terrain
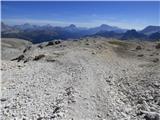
x,y
38,34
87,79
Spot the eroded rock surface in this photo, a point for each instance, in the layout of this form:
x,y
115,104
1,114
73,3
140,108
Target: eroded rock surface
x,y
93,79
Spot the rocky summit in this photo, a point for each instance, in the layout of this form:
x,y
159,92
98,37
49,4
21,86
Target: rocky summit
x,y
92,78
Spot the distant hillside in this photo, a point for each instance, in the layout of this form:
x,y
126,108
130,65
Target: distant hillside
x,y
12,47
105,27
150,29
128,35
155,36
108,34
133,34
14,43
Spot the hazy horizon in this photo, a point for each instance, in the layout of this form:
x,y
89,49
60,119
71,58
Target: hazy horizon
x,y
128,15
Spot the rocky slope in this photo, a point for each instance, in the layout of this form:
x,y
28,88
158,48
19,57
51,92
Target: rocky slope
x,y
88,79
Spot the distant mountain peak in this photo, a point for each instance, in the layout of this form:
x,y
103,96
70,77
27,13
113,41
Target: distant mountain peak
x,y
72,26
104,25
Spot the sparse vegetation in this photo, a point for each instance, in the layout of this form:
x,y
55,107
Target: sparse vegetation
x,y
120,43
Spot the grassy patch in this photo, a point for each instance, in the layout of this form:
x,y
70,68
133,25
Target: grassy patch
x,y
120,43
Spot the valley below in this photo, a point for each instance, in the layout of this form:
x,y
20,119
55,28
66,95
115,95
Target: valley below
x,y
92,78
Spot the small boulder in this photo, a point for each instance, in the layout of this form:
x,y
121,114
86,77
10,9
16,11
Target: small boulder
x,y
138,47
57,42
40,118
150,115
56,109
140,55
87,43
155,60
3,99
38,57
51,60
40,46
50,43
158,46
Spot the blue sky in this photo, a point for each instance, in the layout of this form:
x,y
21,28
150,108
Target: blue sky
x,y
125,14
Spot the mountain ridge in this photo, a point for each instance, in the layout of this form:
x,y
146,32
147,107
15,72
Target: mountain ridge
x,y
37,34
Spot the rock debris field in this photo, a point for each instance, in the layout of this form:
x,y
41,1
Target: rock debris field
x,y
87,79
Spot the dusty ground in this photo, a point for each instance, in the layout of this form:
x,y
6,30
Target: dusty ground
x,y
90,79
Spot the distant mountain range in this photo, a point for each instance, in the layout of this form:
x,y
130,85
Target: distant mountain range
x,y
150,30
37,34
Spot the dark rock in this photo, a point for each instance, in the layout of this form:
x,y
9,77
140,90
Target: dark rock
x,y
155,60
40,118
138,48
69,90
158,46
6,107
140,55
51,60
62,45
3,99
52,117
19,58
57,42
150,115
40,46
56,109
148,49
26,60
26,49
50,43
39,57
69,93
99,116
